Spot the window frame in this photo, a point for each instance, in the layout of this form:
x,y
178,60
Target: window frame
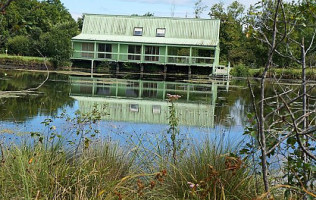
x,y
160,29
135,31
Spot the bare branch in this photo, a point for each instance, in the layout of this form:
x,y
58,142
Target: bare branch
x,y
311,43
290,102
278,144
308,131
311,155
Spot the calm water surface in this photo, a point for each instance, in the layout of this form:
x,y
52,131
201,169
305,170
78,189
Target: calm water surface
x,y
131,106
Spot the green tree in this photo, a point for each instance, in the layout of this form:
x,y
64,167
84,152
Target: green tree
x,y
19,45
149,14
80,22
47,25
232,37
56,44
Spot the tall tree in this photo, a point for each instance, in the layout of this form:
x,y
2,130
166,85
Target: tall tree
x,y
232,37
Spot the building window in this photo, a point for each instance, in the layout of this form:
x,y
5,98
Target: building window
x,y
153,51
138,31
160,32
88,47
105,48
134,52
156,109
134,107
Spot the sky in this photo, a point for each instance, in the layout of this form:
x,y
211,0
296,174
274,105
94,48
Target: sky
x,y
161,8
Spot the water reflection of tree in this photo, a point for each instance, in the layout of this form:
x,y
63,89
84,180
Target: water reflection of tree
x,y
51,96
232,106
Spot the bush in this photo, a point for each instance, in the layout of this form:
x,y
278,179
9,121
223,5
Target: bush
x,y
19,45
240,71
211,171
39,172
56,44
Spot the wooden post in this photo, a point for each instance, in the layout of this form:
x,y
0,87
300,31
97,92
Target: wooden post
x,y
190,59
166,55
117,67
95,50
142,57
118,52
92,66
165,69
189,70
141,68
140,92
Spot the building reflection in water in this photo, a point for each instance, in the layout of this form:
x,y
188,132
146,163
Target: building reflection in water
x,y
140,101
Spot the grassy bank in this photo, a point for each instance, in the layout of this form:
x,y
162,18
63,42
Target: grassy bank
x,y
107,171
284,73
24,62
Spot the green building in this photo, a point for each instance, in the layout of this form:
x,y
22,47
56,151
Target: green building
x,y
158,40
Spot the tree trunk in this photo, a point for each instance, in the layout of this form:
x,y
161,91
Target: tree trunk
x,y
304,90
261,126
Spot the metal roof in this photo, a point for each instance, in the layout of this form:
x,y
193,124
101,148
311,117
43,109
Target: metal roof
x,y
178,30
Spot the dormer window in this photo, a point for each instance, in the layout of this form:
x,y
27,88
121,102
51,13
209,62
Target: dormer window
x,y
160,32
138,31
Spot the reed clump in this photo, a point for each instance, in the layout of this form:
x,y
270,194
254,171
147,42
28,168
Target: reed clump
x,y
38,172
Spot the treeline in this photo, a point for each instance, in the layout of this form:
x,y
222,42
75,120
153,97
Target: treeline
x,y
245,33
37,28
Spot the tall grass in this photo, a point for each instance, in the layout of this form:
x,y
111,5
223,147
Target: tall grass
x,y
37,172
211,170
208,170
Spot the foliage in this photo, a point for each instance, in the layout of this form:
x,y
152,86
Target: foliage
x,y
240,71
19,45
199,8
25,61
38,171
173,127
232,38
147,14
56,44
4,4
38,20
80,22
211,170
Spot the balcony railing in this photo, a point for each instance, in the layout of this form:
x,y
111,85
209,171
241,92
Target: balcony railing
x,y
143,58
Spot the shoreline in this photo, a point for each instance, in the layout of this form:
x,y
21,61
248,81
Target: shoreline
x,y
8,62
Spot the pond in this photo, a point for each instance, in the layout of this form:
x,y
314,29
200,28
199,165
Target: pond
x,y
130,105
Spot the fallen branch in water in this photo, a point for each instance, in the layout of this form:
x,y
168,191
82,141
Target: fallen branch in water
x,y
7,94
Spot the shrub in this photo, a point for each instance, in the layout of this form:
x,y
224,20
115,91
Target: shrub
x,y
211,171
240,71
19,45
56,44
38,172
